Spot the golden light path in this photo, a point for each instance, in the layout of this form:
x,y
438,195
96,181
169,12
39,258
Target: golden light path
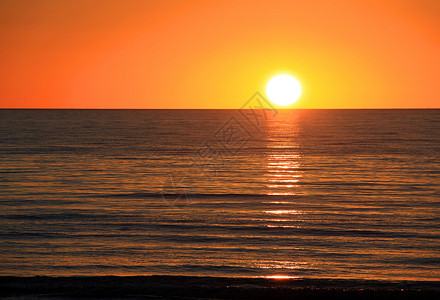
x,y
283,156
283,172
281,277
282,177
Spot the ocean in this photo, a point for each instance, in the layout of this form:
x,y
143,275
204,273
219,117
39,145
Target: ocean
x,y
307,194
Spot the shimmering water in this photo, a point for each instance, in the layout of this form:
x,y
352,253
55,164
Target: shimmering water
x,y
307,193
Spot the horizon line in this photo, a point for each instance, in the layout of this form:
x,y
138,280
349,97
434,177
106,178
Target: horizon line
x,y
278,108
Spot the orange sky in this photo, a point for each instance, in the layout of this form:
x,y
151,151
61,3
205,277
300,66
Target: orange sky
x,y
215,54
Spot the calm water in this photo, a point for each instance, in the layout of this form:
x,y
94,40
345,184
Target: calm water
x,y
309,193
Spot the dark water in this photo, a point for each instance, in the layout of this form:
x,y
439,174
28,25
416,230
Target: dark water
x,y
341,194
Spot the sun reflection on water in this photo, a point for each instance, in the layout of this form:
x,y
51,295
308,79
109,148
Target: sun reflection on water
x,y
281,277
283,211
283,158
283,177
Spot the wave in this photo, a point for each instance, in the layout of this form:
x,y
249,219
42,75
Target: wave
x,y
189,194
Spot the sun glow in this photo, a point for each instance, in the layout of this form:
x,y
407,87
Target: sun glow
x,y
283,90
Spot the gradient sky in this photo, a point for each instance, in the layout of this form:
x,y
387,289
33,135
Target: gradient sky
x,y
216,54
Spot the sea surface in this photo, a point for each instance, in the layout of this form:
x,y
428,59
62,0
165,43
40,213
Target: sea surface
x,y
311,194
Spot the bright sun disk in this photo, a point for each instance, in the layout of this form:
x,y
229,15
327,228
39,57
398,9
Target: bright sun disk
x,y
283,89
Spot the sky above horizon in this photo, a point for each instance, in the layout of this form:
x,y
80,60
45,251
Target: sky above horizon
x,y
216,54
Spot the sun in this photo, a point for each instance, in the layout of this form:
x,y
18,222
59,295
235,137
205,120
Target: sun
x,y
283,89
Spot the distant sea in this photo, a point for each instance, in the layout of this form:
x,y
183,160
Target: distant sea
x,y
310,194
